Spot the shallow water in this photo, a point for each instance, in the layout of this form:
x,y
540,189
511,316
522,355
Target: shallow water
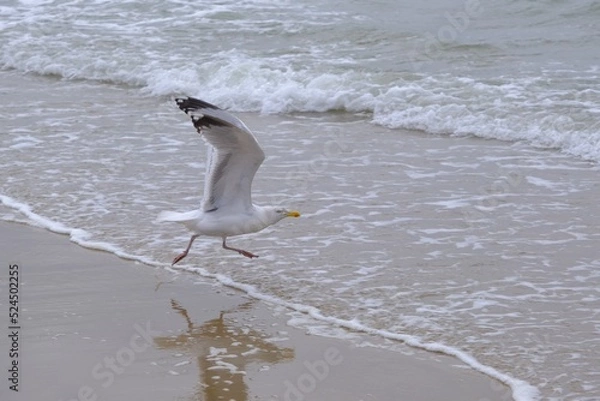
x,y
483,246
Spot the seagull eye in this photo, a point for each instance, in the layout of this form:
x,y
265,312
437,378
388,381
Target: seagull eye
x,y
279,211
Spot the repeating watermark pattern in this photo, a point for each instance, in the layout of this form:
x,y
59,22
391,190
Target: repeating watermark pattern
x,y
305,175
14,326
315,373
491,196
105,372
457,23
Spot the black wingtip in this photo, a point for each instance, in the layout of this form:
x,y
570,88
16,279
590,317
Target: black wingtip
x,y
191,103
202,121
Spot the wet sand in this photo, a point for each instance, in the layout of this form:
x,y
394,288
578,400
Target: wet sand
x,y
96,327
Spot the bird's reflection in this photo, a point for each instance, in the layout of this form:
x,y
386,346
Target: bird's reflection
x,y
223,349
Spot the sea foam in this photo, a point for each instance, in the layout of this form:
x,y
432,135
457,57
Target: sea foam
x,y
509,110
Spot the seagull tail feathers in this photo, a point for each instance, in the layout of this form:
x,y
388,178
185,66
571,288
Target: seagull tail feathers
x,y
177,216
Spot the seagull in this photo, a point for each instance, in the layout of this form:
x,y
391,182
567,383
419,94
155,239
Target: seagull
x,y
234,156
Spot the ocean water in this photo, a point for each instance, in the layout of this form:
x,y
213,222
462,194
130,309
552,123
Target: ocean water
x,y
444,156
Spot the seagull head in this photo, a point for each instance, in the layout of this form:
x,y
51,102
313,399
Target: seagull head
x,y
272,215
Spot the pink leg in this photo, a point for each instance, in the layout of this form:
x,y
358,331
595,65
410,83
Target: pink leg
x,y
240,251
184,253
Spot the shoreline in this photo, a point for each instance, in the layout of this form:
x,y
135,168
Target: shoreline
x,y
153,334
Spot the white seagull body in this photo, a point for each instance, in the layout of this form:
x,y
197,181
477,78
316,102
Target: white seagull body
x,y
234,156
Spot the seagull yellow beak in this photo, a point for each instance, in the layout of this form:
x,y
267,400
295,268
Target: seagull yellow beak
x,y
293,213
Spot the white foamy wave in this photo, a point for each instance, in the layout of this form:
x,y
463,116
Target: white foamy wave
x,y
521,390
183,53
76,235
238,82
504,109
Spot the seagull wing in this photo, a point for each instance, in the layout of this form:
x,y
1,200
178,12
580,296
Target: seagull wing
x,y
234,155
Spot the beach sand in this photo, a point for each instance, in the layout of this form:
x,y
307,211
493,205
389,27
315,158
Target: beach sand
x,y
96,327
